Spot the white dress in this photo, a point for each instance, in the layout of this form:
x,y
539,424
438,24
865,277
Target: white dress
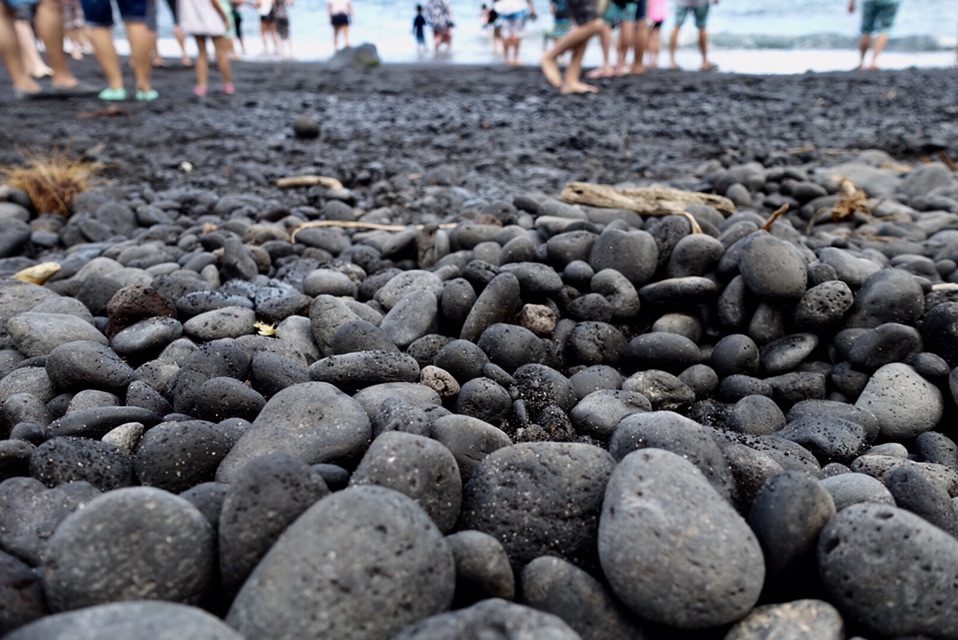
x,y
200,18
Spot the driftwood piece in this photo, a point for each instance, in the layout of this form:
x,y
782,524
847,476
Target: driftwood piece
x,y
371,226
647,201
309,181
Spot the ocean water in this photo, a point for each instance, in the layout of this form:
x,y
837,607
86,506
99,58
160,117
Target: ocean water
x,y
747,36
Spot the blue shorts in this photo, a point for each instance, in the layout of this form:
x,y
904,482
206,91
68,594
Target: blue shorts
x,y
701,15
616,15
18,4
878,15
641,10
99,13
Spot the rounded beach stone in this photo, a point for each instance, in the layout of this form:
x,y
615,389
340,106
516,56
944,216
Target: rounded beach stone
x,y
598,414
820,408
270,493
773,270
146,336
702,548
510,346
223,397
828,438
214,359
67,459
482,568
735,354
886,343
888,295
559,587
358,369
418,467
823,305
175,456
755,415
787,353
88,365
917,491
21,594
680,435
414,316
664,390
539,498
939,331
143,620
634,254
228,322
796,620
369,558
786,516
130,544
313,421
591,343
306,127
494,618
29,511
96,422
37,334
890,571
666,351
498,302
469,439
904,403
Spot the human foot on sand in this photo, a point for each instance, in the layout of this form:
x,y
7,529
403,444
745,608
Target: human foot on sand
x,y
550,69
578,87
605,71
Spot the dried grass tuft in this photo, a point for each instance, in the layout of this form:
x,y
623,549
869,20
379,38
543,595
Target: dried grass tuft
x,y
51,180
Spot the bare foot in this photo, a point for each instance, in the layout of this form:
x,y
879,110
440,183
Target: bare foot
x,y
604,71
578,87
637,69
551,71
708,66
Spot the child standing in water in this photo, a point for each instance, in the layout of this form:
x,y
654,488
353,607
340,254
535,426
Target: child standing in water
x,y
419,29
204,19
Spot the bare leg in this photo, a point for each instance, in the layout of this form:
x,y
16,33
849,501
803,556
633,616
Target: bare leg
x,y
880,41
181,40
10,51
102,39
50,29
202,65
572,83
222,47
655,46
704,49
641,44
623,46
673,45
27,40
139,37
578,36
605,41
863,45
346,36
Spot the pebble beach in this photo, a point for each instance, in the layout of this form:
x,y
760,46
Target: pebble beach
x,y
403,351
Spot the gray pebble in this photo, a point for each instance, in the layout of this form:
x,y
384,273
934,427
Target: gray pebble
x,y
130,544
368,557
702,546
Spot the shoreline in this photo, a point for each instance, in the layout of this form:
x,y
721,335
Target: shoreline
x,y
743,61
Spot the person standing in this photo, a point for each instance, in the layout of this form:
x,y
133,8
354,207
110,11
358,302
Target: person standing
x,y
700,9
513,15
419,29
340,15
877,16
281,22
267,25
204,19
439,17
134,13
50,28
585,15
